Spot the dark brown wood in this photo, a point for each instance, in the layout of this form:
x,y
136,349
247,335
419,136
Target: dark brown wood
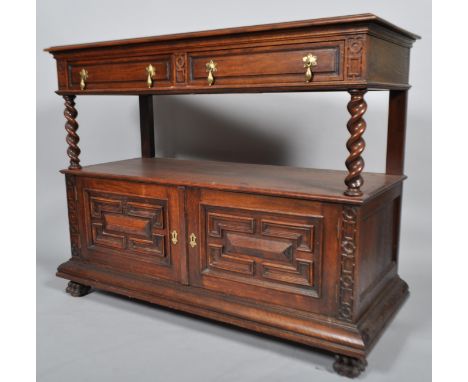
x,y
357,106
279,250
72,197
71,126
147,126
396,136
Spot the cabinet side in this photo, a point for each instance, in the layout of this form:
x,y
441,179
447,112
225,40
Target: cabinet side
x,y
377,257
387,62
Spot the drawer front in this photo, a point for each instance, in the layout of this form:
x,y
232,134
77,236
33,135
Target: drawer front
x,y
127,73
262,248
127,227
273,65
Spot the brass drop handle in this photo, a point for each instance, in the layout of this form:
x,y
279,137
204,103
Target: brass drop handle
x,y
211,68
174,237
83,78
309,61
150,71
193,240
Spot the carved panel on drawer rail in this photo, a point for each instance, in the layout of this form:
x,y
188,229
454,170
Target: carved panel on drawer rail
x,y
355,57
135,226
280,251
181,68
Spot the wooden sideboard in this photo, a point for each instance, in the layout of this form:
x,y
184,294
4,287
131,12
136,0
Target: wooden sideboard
x,y
303,254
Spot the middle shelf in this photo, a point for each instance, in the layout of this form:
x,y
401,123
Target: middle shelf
x,y
304,183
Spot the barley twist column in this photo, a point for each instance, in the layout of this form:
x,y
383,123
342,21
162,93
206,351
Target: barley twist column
x,y
71,126
356,144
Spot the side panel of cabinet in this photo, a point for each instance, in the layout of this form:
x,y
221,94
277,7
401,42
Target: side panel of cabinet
x,y
127,226
267,249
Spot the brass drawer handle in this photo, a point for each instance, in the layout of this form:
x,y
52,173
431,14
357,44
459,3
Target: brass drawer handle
x,y
309,61
174,237
193,240
211,68
83,78
150,71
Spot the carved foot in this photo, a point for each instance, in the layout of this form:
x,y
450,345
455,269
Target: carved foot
x,y
77,290
348,366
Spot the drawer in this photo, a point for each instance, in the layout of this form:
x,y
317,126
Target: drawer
x,y
262,248
269,65
121,73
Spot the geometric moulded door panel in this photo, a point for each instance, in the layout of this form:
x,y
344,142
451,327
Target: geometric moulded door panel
x,y
263,251
130,231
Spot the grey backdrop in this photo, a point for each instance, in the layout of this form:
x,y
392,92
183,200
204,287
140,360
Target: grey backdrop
x,y
103,337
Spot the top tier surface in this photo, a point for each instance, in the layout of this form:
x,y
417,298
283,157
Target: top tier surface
x,y
359,51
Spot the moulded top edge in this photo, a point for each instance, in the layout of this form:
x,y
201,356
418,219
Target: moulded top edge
x,y
329,21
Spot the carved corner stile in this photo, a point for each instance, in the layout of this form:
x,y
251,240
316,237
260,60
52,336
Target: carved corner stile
x,y
72,196
348,246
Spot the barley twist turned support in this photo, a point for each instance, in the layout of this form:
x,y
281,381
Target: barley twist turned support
x,y
71,126
356,144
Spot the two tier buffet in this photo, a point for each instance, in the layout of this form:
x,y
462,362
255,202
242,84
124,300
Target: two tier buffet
x,y
307,255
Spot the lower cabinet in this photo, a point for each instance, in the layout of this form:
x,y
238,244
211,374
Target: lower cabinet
x,y
318,272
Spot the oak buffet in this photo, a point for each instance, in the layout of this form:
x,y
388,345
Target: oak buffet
x,y
303,254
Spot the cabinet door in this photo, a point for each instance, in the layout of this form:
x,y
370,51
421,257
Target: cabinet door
x,y
128,227
267,249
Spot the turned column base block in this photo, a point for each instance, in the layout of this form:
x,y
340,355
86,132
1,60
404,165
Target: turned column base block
x,y
77,290
353,192
348,366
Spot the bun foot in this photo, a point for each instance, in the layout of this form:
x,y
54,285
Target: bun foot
x,y
77,290
348,366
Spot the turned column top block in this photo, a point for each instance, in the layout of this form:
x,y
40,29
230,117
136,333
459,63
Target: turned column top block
x,y
336,53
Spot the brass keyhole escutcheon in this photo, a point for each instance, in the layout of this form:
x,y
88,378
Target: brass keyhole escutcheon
x,y
309,61
150,71
174,237
211,68
193,240
83,78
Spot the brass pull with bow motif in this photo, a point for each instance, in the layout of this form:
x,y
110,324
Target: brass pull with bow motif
x,y
150,71
309,61
211,68
83,78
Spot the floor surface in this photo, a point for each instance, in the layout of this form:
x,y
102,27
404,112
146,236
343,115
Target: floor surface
x,y
104,337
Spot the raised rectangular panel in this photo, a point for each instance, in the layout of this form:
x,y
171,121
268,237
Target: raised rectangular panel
x,y
127,227
121,73
279,64
131,224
